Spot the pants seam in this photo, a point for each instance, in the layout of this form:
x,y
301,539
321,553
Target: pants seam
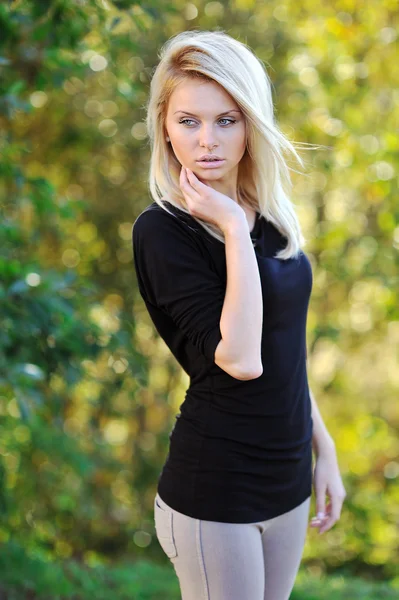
x,y
201,559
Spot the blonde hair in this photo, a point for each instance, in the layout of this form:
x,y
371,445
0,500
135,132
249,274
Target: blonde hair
x,y
263,179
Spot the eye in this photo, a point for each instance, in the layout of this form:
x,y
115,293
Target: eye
x,y
184,121
228,120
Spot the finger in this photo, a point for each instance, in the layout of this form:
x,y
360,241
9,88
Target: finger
x,y
318,521
183,174
321,516
334,514
184,182
189,185
315,522
326,520
194,181
327,525
186,188
321,501
183,179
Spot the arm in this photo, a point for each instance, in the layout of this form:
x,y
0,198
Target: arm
x,y
326,475
239,350
174,275
321,440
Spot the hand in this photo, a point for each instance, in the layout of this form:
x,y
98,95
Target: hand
x,y
206,203
327,480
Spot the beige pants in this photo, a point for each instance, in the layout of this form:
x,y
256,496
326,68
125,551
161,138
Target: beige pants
x,y
233,561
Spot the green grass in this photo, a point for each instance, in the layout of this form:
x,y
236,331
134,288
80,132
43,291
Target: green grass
x,y
23,576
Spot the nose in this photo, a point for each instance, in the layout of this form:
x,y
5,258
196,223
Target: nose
x,y
207,137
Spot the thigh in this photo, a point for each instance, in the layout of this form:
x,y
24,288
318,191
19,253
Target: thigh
x,y
212,560
283,542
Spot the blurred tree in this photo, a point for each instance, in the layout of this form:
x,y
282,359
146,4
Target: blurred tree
x,y
88,391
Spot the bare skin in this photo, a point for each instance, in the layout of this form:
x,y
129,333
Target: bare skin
x,y
196,126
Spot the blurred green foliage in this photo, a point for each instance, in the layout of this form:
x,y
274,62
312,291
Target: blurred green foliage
x,y
45,580
88,391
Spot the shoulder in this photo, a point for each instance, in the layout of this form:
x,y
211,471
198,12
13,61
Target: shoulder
x,y
161,236
151,215
157,224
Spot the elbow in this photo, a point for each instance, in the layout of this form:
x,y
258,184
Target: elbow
x,y
238,370
247,373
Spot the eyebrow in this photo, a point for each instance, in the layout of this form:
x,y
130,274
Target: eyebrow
x,y
221,114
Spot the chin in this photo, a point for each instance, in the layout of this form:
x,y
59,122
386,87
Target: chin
x,y
209,176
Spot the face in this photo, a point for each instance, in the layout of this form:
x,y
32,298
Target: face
x,y
197,125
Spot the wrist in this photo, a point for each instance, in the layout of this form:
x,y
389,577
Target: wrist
x,y
235,224
325,445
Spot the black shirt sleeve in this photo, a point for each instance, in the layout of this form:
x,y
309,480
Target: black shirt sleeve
x,y
173,275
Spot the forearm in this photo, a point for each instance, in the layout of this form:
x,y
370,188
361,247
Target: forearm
x,y
242,313
321,439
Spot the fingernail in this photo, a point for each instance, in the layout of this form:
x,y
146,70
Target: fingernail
x,y
320,515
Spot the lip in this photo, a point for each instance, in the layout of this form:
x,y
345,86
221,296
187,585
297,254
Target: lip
x,y
211,164
207,156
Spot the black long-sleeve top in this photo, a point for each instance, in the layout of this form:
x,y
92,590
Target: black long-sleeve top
x,y
240,451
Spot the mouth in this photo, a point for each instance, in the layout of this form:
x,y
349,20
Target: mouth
x,y
210,163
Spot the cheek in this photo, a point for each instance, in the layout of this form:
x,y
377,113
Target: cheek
x,y
180,150
238,139
177,144
180,139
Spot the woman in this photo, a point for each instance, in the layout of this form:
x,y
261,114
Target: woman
x,y
220,268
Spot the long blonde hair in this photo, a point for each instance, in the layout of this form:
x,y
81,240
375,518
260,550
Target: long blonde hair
x,y
263,181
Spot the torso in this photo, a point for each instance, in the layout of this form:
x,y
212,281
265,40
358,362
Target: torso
x,y
240,451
